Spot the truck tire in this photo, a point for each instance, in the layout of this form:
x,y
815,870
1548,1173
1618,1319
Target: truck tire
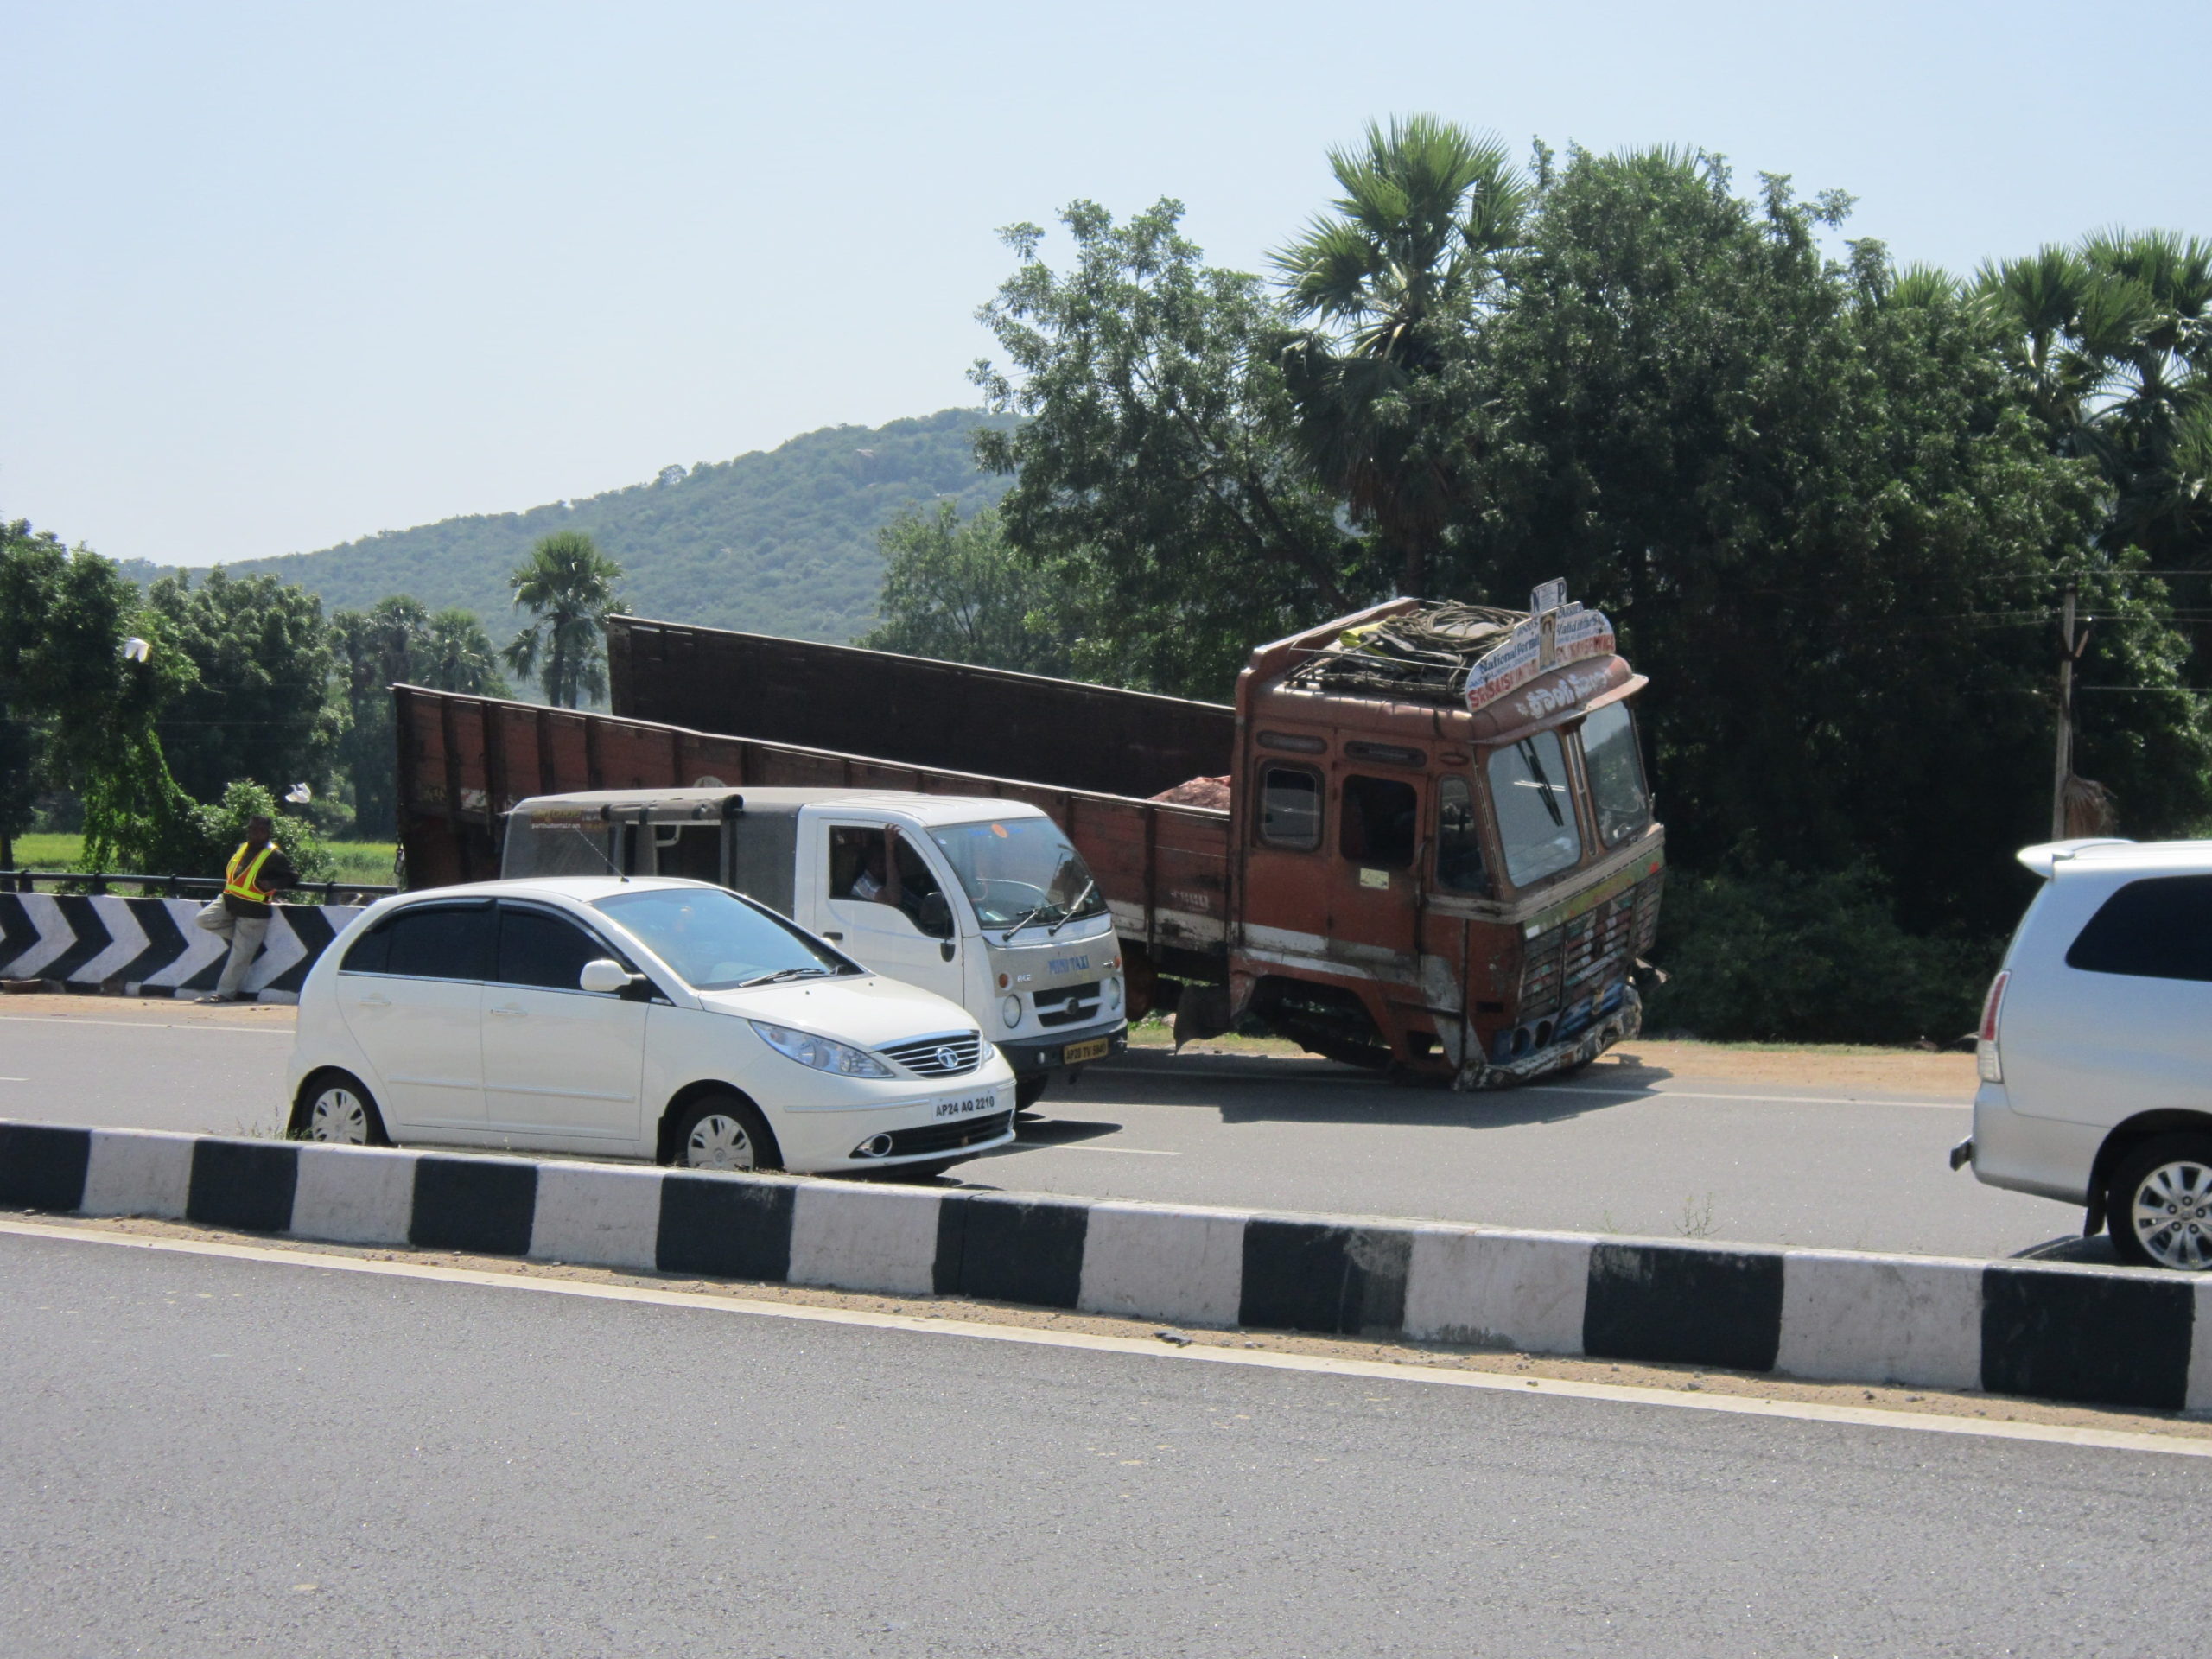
x,y
1027,1091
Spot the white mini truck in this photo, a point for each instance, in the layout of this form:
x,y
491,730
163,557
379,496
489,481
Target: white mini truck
x,y
984,901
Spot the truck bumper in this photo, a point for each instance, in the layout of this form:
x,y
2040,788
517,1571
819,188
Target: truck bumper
x,y
1624,1022
1029,1056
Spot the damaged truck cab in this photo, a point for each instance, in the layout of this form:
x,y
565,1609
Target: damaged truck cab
x,y
1444,854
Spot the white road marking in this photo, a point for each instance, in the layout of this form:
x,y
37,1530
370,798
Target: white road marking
x,y
1148,1348
1084,1146
142,1025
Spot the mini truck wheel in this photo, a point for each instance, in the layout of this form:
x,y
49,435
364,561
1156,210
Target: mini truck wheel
x,y
722,1132
335,1108
2160,1209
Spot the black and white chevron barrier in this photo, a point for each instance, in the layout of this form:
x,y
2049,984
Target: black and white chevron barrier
x,y
2110,1335
151,947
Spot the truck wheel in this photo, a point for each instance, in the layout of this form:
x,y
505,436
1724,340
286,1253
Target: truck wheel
x,y
2160,1209
1027,1091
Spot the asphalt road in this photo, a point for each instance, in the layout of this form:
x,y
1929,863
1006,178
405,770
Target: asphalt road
x,y
216,1457
1665,1156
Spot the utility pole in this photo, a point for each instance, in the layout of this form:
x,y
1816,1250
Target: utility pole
x,y
2071,649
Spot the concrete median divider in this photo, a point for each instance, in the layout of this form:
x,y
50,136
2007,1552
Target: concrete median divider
x,y
2106,1336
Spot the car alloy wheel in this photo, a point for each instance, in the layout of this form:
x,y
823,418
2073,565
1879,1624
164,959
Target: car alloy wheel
x,y
339,1116
2171,1210
718,1140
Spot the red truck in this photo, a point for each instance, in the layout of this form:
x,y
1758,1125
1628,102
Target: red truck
x,y
1437,856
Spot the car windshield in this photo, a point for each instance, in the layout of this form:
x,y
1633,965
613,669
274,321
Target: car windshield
x,y
1019,871
716,941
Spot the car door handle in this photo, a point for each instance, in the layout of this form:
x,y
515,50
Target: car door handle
x,y
378,1001
838,937
509,1011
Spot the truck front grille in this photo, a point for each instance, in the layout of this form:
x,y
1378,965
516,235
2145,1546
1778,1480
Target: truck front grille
x,y
1067,1005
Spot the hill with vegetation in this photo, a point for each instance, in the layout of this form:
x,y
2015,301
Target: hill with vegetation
x,y
778,541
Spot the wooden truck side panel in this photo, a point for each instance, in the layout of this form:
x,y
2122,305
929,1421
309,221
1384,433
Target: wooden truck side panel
x,y
947,716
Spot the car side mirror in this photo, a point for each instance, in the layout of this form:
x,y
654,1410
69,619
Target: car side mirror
x,y
936,915
603,977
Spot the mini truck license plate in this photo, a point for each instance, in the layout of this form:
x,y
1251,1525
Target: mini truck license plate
x,y
967,1107
1076,1054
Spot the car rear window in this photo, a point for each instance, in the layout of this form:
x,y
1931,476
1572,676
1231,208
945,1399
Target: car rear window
x,y
2155,929
450,942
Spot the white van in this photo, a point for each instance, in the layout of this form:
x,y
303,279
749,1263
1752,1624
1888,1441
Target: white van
x,y
984,901
2095,1047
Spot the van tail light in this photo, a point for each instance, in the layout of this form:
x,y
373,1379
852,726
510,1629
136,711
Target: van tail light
x,y
1985,1044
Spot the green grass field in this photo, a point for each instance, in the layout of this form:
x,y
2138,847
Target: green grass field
x,y
358,861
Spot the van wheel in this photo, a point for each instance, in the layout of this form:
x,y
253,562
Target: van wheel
x,y
2160,1209
722,1132
336,1109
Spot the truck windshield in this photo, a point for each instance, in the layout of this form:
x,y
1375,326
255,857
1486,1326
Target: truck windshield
x,y
1017,871
716,941
1535,816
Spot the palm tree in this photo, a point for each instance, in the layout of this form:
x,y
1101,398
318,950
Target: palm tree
x,y
1394,277
568,585
457,655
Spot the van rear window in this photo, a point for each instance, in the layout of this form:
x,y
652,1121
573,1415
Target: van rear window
x,y
2155,929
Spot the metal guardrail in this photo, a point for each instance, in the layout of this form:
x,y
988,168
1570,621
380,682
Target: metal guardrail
x,y
96,882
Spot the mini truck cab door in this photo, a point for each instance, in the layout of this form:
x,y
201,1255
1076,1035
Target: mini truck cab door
x,y
887,900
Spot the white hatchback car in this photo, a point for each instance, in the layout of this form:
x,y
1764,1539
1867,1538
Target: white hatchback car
x,y
647,1017
2095,1047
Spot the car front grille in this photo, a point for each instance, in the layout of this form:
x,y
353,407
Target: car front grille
x,y
946,1056
949,1137
1069,1004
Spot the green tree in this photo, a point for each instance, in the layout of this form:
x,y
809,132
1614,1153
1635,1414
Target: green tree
x,y
959,592
1828,526
1153,467
261,705
91,666
568,585
1399,276
398,641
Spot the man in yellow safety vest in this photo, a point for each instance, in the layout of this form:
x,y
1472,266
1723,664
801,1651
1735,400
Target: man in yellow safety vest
x,y
258,871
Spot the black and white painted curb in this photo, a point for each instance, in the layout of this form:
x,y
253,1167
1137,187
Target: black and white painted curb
x,y
151,947
2108,1336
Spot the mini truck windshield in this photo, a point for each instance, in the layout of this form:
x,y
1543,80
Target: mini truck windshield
x,y
716,941
1017,871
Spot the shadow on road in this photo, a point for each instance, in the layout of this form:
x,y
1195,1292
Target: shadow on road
x,y
1258,1090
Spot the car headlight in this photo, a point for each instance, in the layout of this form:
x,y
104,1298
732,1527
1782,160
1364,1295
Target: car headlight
x,y
820,1053
1010,1011
1114,993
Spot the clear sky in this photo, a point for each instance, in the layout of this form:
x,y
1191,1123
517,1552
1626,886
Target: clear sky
x,y
280,276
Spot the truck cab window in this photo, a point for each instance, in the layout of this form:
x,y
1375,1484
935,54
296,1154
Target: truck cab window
x,y
1459,839
1616,791
860,869
1379,822
1290,808
1536,813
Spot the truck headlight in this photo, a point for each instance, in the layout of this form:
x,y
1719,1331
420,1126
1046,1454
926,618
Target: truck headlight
x,y
820,1053
1010,1011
